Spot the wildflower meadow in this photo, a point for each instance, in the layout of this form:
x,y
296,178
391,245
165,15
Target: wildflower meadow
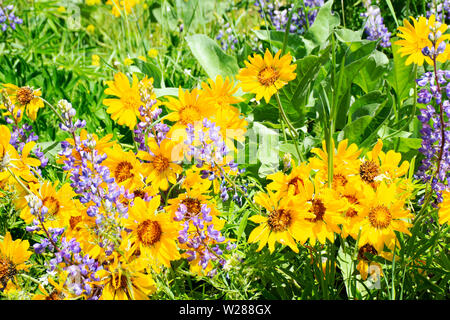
x,y
224,150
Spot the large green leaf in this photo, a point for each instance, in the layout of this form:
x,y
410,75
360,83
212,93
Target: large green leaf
x,y
211,57
401,76
324,24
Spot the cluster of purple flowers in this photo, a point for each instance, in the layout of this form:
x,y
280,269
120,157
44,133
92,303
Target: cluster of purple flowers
x,y
435,167
207,146
204,242
440,8
81,269
227,37
7,17
278,14
435,94
374,27
149,127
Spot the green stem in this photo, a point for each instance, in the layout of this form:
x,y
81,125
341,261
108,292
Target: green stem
x,y
291,128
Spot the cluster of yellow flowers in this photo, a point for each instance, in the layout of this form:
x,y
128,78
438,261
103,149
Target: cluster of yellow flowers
x,y
367,201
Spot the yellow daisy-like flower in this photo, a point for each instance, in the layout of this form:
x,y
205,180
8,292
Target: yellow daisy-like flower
x,y
444,208
152,53
384,213
59,292
125,168
10,159
14,256
95,60
296,181
56,202
284,223
265,76
152,233
190,107
368,268
379,166
122,6
90,28
124,109
26,98
222,91
160,166
125,280
128,62
345,161
416,37
328,209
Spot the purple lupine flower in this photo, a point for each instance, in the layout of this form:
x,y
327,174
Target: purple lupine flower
x,y
279,15
440,8
8,19
374,27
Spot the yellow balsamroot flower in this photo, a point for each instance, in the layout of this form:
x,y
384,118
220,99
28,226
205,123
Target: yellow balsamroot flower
x,y
284,223
190,107
125,108
160,166
416,37
380,166
125,280
95,60
444,208
384,213
122,6
152,53
368,268
56,202
222,91
93,2
125,168
153,234
58,292
265,76
295,181
10,159
128,62
345,162
14,256
25,98
90,28
327,208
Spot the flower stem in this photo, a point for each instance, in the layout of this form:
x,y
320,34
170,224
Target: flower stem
x,y
291,128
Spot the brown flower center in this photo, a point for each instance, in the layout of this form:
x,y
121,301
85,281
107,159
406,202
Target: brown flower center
x,y
268,76
339,180
189,114
296,182
366,248
73,221
123,171
160,163
52,204
149,232
351,212
193,205
55,295
318,208
7,271
380,217
139,194
24,95
279,220
368,170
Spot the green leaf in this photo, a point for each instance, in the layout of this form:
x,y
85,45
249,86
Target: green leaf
x,y
401,76
325,22
211,57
